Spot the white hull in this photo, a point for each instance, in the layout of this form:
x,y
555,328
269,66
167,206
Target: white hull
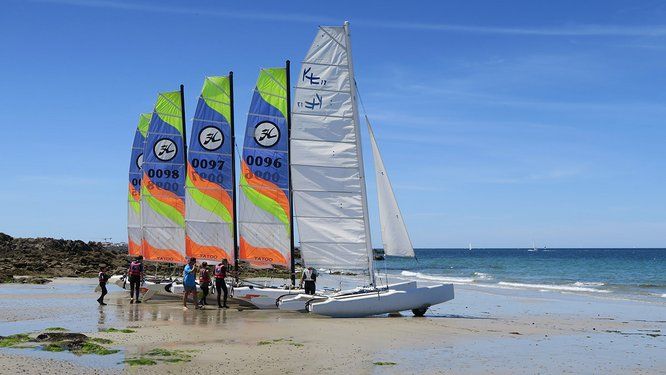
x,y
382,302
299,302
148,288
262,297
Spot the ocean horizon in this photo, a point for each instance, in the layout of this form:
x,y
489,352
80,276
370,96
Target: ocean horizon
x,y
613,272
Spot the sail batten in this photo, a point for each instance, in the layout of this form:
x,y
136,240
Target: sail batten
x,y
330,202
394,232
209,185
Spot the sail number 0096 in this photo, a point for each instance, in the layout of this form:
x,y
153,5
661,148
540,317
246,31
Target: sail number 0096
x,y
265,161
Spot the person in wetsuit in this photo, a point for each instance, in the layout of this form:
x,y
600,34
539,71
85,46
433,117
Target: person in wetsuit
x,y
309,277
102,277
204,283
220,274
135,273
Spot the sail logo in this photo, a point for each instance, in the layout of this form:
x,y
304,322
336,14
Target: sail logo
x,y
165,149
315,103
211,138
266,134
139,161
311,78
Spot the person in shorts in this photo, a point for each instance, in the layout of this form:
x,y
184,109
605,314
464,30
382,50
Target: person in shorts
x,y
189,281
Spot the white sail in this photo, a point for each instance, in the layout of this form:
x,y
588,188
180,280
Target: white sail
x,y
394,232
330,204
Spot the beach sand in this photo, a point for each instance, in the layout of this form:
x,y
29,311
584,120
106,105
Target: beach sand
x,y
499,331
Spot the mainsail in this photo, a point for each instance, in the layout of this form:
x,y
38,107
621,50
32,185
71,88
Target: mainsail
x,y
330,200
134,233
264,218
163,182
210,183
394,232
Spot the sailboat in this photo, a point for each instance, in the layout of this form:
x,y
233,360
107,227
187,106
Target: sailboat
x,y
329,190
534,248
157,169
470,246
266,220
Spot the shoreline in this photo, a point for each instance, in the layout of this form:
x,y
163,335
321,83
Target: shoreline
x,y
475,333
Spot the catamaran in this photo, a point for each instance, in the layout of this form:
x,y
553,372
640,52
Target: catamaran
x,y
266,218
329,190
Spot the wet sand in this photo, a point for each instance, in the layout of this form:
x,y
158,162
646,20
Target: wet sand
x,y
481,331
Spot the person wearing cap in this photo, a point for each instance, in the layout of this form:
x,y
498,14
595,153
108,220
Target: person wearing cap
x,y
204,283
189,281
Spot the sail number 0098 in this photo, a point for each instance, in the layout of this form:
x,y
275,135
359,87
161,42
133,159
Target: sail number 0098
x,y
166,173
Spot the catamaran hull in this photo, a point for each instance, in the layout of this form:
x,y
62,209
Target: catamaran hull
x,y
147,290
299,302
383,302
262,297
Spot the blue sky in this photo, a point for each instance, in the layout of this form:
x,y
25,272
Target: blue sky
x,y
500,122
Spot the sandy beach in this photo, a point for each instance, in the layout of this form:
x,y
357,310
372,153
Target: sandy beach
x,y
481,331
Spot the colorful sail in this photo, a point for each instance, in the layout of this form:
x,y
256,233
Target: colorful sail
x,y
209,184
134,233
163,183
264,179
330,200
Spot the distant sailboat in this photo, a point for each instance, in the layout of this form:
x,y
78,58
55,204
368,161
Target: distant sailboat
x,y
470,246
534,248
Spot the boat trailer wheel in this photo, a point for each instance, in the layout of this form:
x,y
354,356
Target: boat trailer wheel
x,y
420,311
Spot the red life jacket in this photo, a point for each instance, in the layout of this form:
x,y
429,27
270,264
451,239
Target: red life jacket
x,y
204,276
220,271
135,269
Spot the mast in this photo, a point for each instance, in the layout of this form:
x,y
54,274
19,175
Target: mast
x,y
233,169
357,129
292,270
182,117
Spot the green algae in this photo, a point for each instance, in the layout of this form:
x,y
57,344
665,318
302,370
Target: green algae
x,y
384,363
140,361
60,329
54,347
113,330
92,348
13,340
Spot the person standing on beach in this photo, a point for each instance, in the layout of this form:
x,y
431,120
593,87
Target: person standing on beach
x,y
309,277
204,283
135,273
189,282
220,274
103,278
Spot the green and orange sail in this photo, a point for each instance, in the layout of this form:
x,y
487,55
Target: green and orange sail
x,y
134,232
163,182
210,183
264,218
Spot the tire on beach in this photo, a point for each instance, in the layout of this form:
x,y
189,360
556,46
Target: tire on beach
x,y
420,311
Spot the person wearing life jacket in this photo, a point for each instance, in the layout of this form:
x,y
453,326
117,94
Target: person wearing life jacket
x,y
135,273
309,277
102,277
220,274
204,283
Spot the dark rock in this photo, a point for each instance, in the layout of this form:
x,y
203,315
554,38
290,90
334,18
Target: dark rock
x,y
61,336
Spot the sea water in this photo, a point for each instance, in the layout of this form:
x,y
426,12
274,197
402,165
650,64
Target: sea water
x,y
631,273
